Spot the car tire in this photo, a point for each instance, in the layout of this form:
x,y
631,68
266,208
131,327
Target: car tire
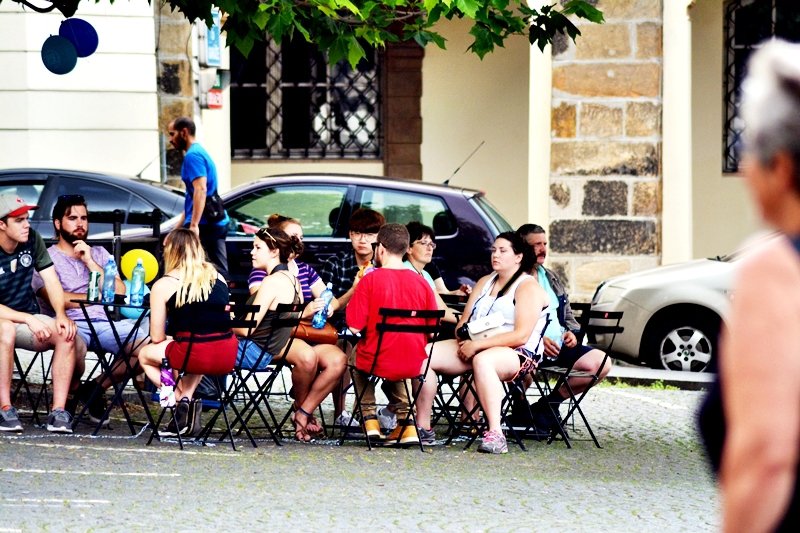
x,y
686,343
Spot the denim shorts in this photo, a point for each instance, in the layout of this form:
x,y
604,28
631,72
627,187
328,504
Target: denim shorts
x,y
249,353
106,336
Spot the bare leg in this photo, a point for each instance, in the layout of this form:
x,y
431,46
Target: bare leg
x,y
80,363
590,362
303,361
187,385
331,366
150,358
444,360
63,367
7,336
491,367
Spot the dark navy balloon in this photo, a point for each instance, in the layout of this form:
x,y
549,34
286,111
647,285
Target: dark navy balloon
x,y
81,34
59,55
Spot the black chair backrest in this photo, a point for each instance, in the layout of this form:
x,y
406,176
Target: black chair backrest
x,y
429,325
243,315
288,315
427,328
606,323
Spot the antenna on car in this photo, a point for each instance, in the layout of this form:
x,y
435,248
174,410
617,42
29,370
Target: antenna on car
x,y
447,181
139,175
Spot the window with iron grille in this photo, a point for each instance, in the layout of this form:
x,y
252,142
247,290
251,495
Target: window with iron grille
x,y
747,24
287,102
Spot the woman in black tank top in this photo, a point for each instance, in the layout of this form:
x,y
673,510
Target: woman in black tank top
x,y
192,295
314,372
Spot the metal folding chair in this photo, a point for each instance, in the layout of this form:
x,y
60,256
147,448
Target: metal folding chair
x,y
600,329
40,397
414,322
472,427
253,386
221,393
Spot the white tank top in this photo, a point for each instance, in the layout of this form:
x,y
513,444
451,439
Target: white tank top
x,y
487,304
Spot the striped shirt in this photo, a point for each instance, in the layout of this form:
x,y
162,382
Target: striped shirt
x,y
306,275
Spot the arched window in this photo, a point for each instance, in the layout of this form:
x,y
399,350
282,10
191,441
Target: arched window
x,y
747,24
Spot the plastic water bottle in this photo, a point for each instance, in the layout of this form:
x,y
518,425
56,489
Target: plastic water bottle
x,y
321,316
109,281
166,394
137,284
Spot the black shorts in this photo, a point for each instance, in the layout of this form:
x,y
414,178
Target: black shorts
x,y
567,356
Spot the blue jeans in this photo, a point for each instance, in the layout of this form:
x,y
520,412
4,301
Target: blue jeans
x,y
248,355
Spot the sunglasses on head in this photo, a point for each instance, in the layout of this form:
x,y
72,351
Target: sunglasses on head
x,y
265,236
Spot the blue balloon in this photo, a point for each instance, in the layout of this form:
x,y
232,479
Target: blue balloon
x,y
59,55
129,312
81,34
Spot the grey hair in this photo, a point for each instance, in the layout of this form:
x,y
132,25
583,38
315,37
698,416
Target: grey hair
x,y
771,103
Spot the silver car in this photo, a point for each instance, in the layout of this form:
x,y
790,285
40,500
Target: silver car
x,y
671,314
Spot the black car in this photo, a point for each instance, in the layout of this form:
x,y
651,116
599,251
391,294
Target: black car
x,y
135,198
464,221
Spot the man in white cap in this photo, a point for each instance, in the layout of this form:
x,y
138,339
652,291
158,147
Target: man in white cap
x,y
21,251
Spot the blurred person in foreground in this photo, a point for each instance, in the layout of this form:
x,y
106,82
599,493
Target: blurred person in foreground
x,y
760,349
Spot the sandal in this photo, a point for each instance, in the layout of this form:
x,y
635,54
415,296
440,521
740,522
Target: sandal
x,y
312,426
300,432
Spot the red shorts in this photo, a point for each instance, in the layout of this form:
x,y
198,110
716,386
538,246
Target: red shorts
x,y
213,354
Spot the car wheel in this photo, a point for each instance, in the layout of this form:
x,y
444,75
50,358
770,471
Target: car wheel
x,y
683,345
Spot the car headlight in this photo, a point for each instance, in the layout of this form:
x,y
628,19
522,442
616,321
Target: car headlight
x,y
607,294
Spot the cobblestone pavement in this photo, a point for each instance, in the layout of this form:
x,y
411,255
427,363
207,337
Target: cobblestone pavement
x,y
649,476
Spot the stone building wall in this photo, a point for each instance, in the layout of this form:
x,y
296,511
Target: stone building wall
x,y
605,175
175,83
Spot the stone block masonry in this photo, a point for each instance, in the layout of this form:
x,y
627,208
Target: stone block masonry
x,y
605,170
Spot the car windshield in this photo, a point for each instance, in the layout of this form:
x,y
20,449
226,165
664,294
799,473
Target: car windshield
x,y
493,214
745,248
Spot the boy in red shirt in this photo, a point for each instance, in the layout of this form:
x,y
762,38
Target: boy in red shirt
x,y
402,354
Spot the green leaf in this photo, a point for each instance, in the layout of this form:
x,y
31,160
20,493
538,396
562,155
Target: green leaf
x,y
585,10
355,53
469,7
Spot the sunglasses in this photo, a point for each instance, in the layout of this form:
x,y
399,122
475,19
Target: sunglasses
x,y
265,236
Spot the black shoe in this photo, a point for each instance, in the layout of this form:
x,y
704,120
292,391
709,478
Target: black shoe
x,y
520,415
195,417
96,407
71,405
546,417
179,425
534,432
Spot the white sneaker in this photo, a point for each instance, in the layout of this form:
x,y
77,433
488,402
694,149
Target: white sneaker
x,y
387,419
348,422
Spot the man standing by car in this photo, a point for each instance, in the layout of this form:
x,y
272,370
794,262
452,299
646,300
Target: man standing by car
x,y
21,251
561,346
74,259
199,175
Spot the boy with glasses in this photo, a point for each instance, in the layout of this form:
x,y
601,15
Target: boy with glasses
x,y
344,270
22,251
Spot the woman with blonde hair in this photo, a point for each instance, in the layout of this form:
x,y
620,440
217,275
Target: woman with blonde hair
x,y
193,296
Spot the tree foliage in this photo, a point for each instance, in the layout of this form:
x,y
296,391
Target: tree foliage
x,y
343,28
